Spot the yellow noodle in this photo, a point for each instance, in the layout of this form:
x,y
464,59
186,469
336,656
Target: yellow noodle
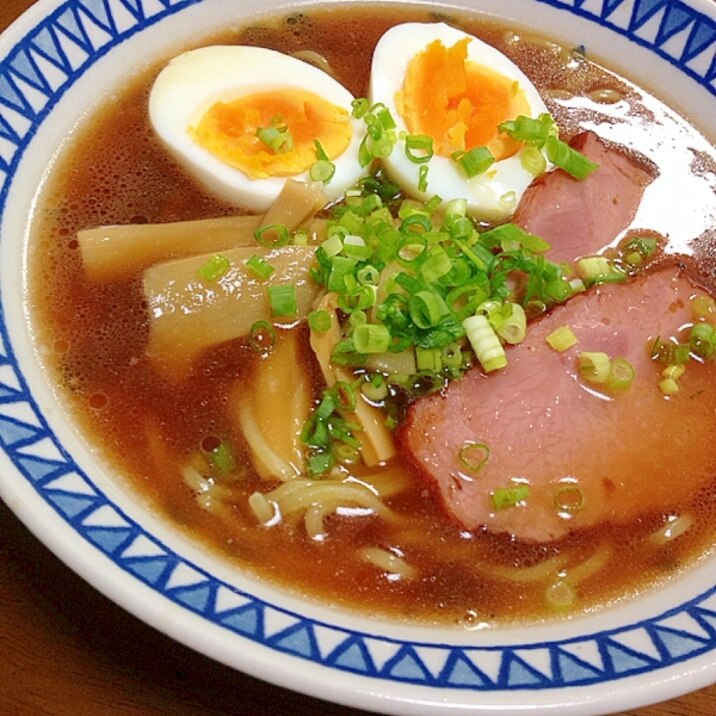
x,y
388,482
675,527
535,573
590,566
261,507
316,59
314,521
387,561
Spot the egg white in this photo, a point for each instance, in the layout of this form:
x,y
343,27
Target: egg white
x,y
193,81
491,196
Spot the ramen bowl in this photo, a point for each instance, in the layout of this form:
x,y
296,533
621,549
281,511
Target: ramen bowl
x,y
57,63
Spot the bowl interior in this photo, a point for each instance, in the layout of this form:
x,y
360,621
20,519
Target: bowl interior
x,y
55,66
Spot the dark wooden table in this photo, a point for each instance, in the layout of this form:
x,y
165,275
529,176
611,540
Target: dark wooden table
x,y
65,649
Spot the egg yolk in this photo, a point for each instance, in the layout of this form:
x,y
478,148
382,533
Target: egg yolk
x,y
228,130
459,103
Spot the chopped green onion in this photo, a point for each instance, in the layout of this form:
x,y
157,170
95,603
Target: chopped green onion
x,y
360,106
593,268
371,338
423,178
533,160
511,237
375,389
355,247
621,374
568,159
474,456
526,129
222,458
282,299
216,267
703,306
485,343
593,366
562,339
319,321
473,162
673,371
668,386
429,359
262,337
419,148
513,328
319,462
272,235
344,395
669,352
323,168
278,139
259,267
702,341
504,497
427,309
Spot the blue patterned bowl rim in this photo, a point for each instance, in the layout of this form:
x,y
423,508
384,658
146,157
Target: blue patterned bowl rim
x,y
37,68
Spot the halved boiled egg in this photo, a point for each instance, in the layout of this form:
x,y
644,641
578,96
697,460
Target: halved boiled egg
x,y
244,119
451,86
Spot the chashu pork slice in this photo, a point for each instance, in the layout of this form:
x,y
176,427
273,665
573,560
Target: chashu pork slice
x,y
621,454
582,217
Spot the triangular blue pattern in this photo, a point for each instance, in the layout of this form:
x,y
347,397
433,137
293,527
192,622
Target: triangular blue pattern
x,y
69,24
516,672
575,670
610,6
353,656
134,7
247,621
675,20
39,469
196,597
706,618
23,65
625,660
678,643
711,74
45,43
98,11
10,96
460,672
70,505
645,10
108,540
406,665
8,132
148,570
297,640
12,433
701,37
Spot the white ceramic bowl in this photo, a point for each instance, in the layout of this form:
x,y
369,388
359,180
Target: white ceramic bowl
x,y
55,62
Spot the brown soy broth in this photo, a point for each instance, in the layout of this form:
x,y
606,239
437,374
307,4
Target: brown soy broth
x,y
150,427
